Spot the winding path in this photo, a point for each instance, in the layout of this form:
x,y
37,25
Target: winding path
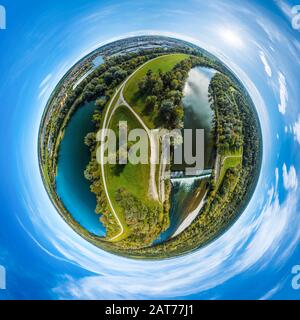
x,y
153,147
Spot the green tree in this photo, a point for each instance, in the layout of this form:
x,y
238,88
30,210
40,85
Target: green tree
x,y
150,103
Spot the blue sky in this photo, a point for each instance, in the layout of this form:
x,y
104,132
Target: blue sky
x,y
43,257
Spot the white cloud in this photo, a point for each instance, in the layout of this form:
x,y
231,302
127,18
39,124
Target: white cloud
x,y
271,292
44,85
264,60
43,91
282,93
296,130
285,8
46,80
290,180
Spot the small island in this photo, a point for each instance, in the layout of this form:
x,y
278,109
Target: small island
x,y
142,82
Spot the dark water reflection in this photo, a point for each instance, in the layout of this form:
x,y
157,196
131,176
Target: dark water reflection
x,y
74,155
197,115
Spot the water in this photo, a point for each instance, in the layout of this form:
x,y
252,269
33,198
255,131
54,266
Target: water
x,y
197,115
95,63
74,155
197,111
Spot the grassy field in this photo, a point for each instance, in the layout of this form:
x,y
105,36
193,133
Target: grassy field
x,y
163,63
229,160
134,178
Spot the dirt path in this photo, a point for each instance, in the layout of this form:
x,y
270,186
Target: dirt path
x,y
153,149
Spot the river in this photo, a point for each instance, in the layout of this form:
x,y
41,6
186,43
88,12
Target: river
x,y
73,157
186,193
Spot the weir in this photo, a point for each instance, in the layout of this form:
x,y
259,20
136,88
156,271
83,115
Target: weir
x,y
200,174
